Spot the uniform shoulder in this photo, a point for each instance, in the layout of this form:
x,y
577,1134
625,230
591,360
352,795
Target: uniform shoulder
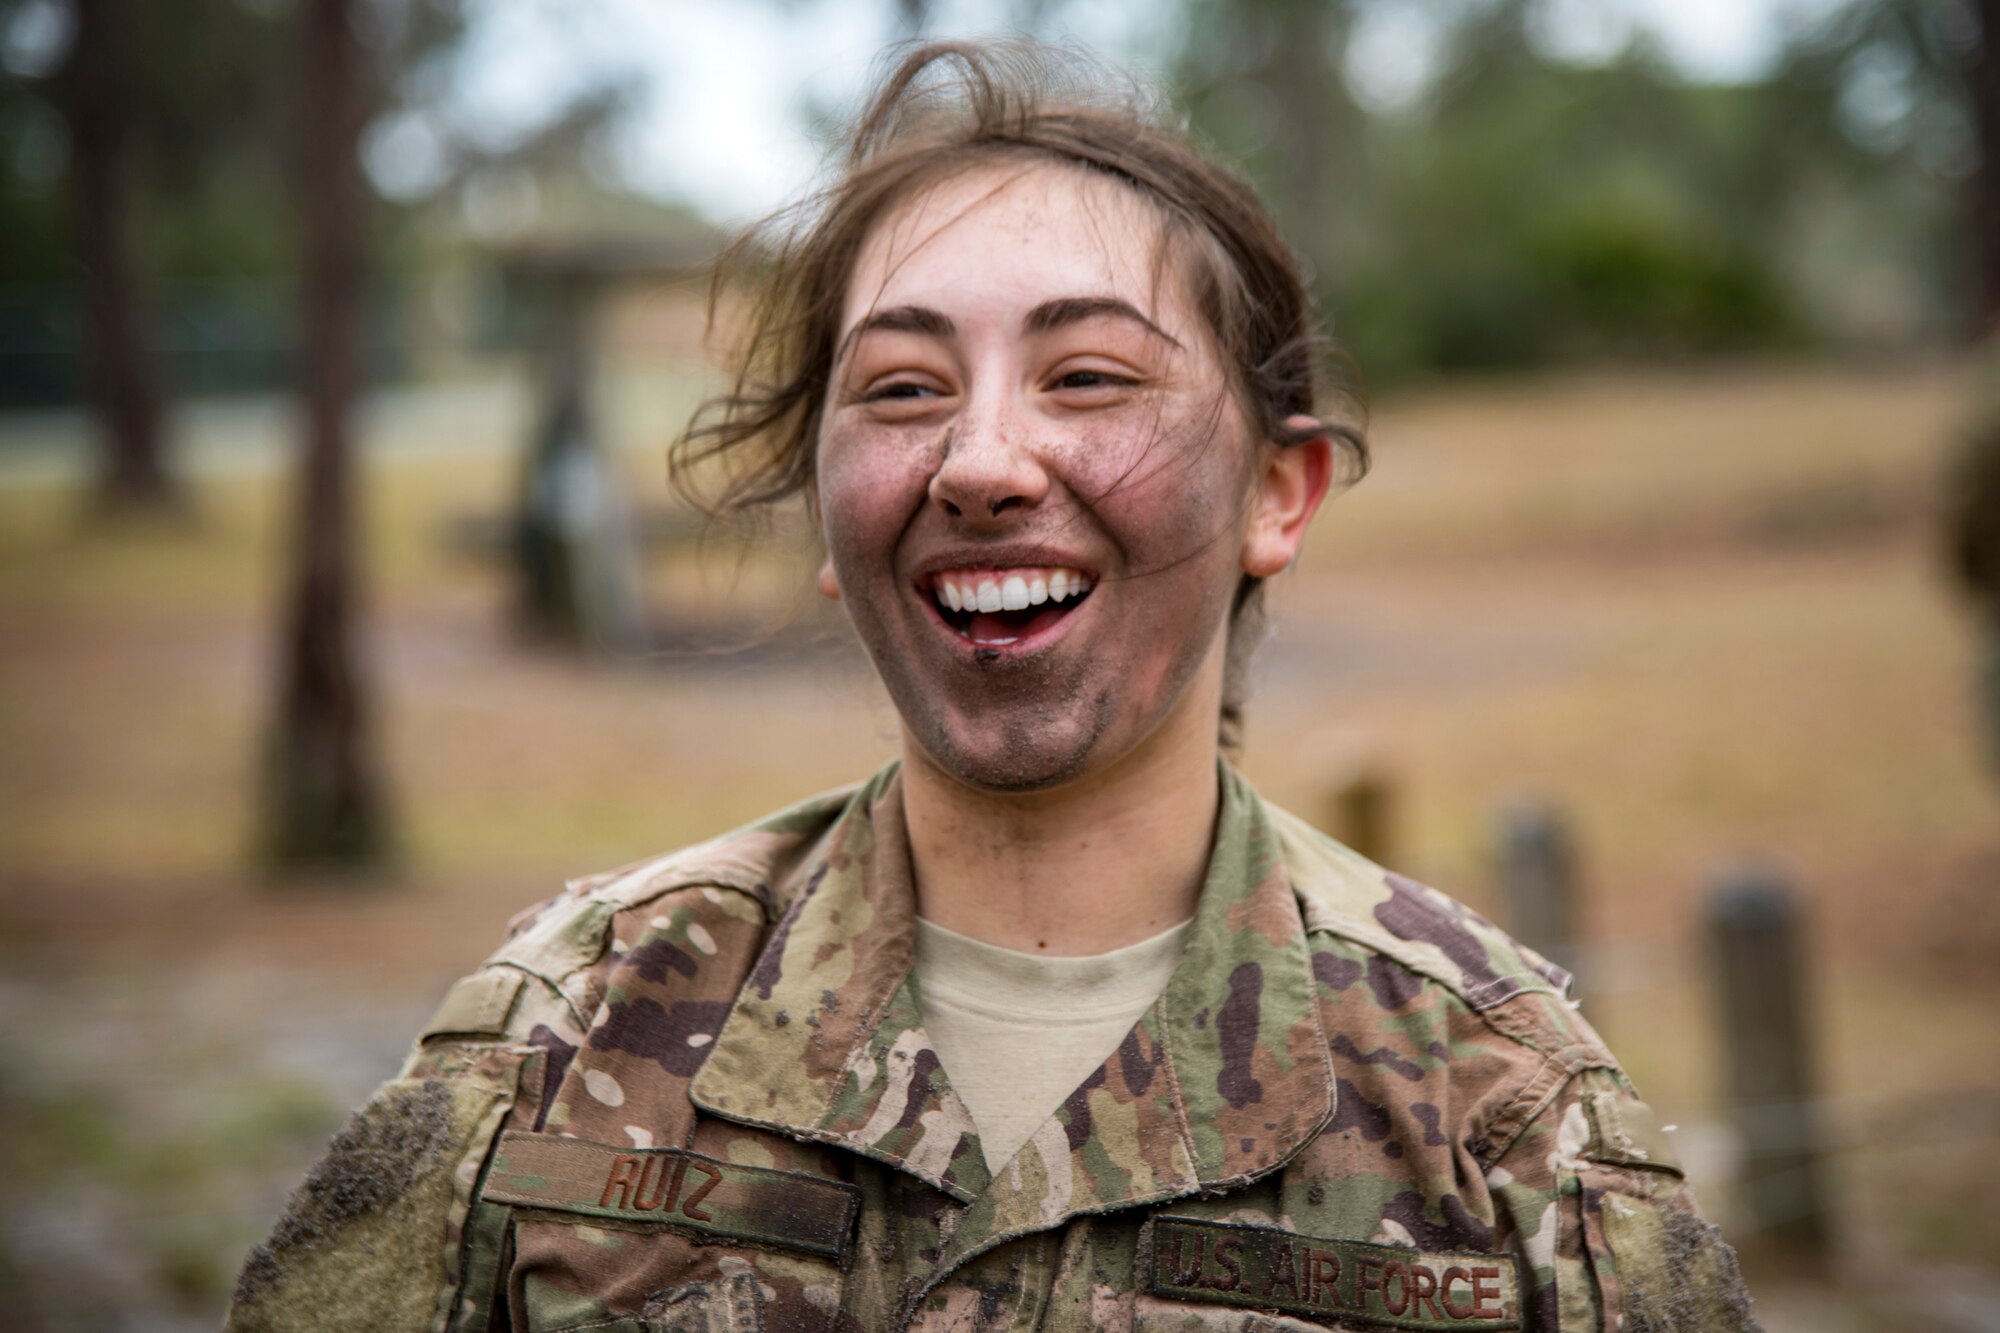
x,y
1344,894
756,859
546,970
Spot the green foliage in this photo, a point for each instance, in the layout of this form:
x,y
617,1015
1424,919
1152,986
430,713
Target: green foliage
x,y
1516,211
1522,211
1543,230
1632,281
35,214
210,91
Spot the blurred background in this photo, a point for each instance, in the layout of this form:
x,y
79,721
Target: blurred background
x,y
345,610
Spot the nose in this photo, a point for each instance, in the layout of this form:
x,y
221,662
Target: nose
x,y
989,466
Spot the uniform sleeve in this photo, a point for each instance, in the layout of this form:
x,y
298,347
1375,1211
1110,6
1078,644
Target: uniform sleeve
x,y
1608,1231
379,1235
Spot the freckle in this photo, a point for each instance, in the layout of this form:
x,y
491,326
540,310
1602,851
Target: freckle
x,y
1041,944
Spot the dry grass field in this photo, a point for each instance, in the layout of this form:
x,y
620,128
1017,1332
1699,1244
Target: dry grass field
x,y
1702,612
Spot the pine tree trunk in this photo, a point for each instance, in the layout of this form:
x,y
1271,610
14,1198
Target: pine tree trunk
x,y
1318,130
323,805
118,359
1986,182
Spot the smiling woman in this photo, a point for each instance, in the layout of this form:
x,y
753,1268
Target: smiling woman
x,y
1019,395
1053,1024
1166,223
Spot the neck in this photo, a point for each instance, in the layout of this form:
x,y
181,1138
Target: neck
x,y
1094,865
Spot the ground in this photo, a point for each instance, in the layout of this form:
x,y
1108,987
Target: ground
x,y
1703,613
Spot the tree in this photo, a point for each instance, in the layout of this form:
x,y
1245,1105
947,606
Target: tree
x,y
1261,78
1985,78
324,806
1914,88
118,351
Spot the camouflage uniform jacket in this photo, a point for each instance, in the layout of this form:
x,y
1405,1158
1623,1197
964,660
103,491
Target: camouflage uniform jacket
x,y
696,1095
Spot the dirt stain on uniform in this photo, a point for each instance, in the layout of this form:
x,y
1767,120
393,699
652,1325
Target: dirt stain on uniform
x,y
372,1162
1706,1294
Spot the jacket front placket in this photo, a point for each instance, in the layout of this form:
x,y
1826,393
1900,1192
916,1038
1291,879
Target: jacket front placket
x,y
825,1040
1220,1082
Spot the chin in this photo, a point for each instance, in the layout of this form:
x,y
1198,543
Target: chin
x,y
1014,778
1028,756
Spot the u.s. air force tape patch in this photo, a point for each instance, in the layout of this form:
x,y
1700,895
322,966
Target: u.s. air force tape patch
x,y
1326,1280
672,1187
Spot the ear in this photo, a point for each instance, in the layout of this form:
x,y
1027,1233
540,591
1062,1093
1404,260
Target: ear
x,y
829,585
1292,480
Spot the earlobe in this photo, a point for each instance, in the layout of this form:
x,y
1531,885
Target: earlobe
x,y
1293,482
829,584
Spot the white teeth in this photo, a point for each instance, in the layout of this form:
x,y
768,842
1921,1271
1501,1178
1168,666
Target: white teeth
x,y
1008,592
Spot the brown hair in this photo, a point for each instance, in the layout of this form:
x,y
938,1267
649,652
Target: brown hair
x,y
949,106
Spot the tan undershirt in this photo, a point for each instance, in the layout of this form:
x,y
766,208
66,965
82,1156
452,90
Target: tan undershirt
x,y
1017,1032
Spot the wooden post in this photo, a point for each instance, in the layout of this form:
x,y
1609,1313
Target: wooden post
x,y
1357,811
1755,931
1538,881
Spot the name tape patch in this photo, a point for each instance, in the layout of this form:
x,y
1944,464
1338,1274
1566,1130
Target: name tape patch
x,y
674,1187
1318,1278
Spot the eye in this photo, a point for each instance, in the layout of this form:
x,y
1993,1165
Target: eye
x,y
898,389
1088,384
901,396
1094,379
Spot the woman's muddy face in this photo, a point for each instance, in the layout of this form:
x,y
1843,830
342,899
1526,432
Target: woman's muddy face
x,y
1033,477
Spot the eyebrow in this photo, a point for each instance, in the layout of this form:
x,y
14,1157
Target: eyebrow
x,y
1044,318
1066,310
898,319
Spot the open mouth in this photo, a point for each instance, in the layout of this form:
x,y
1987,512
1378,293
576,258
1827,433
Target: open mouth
x,y
996,607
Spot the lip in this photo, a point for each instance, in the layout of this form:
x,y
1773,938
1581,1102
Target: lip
x,y
997,558
1017,556
1032,643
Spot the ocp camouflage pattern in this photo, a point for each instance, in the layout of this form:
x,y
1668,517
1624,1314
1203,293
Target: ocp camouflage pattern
x,y
696,1094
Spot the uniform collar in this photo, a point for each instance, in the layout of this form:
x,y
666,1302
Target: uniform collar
x,y
1221,1081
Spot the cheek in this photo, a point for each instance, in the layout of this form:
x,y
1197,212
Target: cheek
x,y
868,488
1171,501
